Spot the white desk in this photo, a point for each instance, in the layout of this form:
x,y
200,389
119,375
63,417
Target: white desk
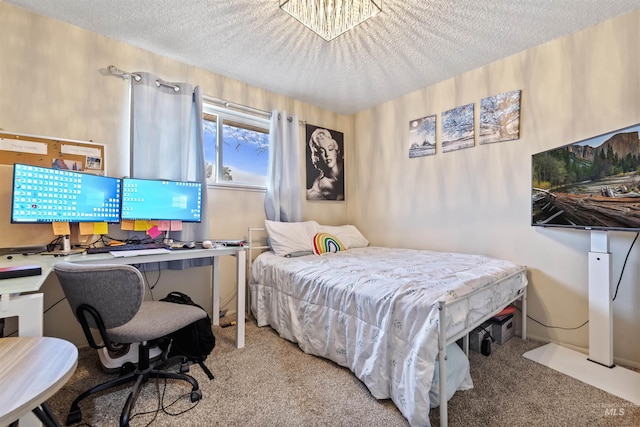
x,y
29,308
32,370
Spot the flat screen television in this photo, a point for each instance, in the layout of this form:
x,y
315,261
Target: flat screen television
x,y
45,195
156,199
592,184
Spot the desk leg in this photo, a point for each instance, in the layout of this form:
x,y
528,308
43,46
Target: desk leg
x,y
215,283
241,265
29,420
28,309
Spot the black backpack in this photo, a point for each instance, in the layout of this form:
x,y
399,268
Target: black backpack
x,y
194,341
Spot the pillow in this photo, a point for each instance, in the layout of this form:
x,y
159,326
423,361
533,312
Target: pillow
x,y
458,375
347,234
324,243
286,238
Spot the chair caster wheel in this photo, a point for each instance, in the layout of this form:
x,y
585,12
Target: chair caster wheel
x,y
74,417
127,368
184,368
196,395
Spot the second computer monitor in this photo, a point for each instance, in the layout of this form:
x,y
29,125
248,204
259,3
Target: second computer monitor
x,y
155,199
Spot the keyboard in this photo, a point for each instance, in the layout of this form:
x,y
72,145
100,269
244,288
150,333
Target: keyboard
x,y
138,252
127,247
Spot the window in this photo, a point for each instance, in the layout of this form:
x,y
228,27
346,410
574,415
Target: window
x,y
241,156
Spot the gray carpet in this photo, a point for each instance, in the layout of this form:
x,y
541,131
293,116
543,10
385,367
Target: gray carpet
x,y
271,382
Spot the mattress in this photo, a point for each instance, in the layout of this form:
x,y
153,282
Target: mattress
x,y
375,310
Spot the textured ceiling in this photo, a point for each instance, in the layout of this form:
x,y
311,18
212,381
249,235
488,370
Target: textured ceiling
x,y
410,45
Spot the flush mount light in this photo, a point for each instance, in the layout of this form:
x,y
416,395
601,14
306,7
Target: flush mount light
x,y
330,18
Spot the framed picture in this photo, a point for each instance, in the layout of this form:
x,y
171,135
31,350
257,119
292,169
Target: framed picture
x,y
325,163
94,163
66,164
422,137
458,128
500,118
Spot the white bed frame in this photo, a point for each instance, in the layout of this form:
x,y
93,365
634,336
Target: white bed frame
x,y
443,306
469,326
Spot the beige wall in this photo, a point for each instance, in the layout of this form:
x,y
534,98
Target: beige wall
x,y
478,199
54,83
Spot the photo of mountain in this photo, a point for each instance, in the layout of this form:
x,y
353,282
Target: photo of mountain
x,y
422,137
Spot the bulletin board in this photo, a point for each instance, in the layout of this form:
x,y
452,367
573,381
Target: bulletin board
x,y
53,153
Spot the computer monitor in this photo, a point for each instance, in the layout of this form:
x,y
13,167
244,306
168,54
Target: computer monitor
x,y
44,195
157,199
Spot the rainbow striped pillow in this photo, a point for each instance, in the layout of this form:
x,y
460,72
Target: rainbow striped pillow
x,y
324,243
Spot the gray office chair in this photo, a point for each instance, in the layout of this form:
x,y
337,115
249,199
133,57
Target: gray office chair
x,y
109,299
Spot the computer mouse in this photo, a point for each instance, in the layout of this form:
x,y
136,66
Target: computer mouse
x,y
189,245
207,244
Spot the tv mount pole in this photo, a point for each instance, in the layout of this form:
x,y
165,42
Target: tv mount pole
x,y
598,368
600,304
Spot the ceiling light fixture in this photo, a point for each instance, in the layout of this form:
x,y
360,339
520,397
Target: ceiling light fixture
x,y
330,18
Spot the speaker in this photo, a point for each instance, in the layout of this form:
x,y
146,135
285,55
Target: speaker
x,y
485,348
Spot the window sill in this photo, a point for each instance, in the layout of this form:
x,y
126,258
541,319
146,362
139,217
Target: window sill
x,y
236,187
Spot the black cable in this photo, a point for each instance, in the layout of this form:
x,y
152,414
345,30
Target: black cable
x,y
100,239
623,266
156,411
487,333
54,304
182,396
149,286
614,296
144,272
106,240
161,405
553,327
52,244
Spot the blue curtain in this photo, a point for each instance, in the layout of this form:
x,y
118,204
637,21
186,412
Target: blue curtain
x,y
283,200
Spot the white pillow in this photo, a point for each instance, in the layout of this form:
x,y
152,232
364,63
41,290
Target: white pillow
x,y
349,235
286,238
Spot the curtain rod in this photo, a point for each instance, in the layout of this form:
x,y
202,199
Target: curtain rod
x,y
137,77
227,104
118,72
241,107
246,108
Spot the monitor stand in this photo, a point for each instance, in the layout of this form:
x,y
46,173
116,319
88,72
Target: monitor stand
x,y
598,368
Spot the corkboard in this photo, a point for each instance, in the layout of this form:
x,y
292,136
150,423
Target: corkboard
x,y
52,152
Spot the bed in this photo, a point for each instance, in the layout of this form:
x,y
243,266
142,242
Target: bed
x,y
380,311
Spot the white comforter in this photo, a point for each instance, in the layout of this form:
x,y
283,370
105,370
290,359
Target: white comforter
x,y
374,310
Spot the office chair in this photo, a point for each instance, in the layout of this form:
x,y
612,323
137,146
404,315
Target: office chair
x,y
109,299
